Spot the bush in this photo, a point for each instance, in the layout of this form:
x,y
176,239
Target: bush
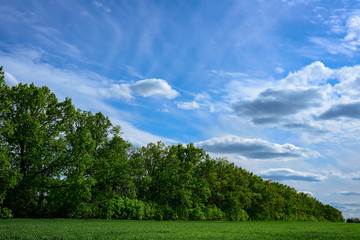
x,y
5,213
237,214
196,214
214,213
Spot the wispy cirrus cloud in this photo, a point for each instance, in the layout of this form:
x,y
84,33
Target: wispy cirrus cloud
x,y
350,209
82,87
222,73
284,174
255,148
347,26
349,193
118,91
10,79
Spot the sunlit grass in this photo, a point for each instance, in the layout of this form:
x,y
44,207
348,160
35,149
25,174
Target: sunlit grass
x,y
110,229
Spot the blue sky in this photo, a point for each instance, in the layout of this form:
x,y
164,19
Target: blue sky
x,y
274,85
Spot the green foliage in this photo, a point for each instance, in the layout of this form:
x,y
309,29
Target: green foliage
x,y
5,213
56,161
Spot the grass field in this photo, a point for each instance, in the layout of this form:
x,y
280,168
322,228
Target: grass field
x,y
127,229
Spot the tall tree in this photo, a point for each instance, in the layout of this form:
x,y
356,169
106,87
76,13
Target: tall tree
x,y
33,126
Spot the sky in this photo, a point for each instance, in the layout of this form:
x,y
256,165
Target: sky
x,y
273,86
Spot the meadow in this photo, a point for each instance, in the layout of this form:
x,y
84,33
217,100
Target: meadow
x,y
131,229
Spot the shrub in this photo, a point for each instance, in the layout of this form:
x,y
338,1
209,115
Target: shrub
x,y
5,213
237,214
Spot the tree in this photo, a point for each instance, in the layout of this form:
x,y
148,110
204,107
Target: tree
x,y
53,155
33,125
8,175
56,161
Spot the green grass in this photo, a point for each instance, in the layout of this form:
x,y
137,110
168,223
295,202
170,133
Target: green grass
x,y
127,229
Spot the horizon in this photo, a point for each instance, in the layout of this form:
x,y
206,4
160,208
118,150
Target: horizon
x,y
273,86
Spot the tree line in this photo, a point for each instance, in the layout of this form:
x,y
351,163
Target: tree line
x,y
59,161
353,220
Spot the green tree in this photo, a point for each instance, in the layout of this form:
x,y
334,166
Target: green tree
x,y
33,125
8,175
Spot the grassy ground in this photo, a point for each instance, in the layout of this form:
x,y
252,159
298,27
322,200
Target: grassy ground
x,y
111,229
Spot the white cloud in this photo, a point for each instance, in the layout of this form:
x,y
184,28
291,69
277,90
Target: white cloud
x,y
255,148
284,174
121,91
313,100
144,88
202,97
309,193
81,87
349,84
349,193
10,79
314,74
349,209
154,87
188,105
349,43
333,46
279,70
342,175
222,73
353,31
247,88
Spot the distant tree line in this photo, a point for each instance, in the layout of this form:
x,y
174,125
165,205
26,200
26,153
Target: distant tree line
x,y
58,161
353,220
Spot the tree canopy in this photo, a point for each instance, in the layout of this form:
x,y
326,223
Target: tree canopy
x,y
59,161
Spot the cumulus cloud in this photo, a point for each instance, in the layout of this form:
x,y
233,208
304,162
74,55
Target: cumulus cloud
x,y
255,148
188,105
350,110
349,81
145,88
305,101
283,174
154,87
271,105
314,74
